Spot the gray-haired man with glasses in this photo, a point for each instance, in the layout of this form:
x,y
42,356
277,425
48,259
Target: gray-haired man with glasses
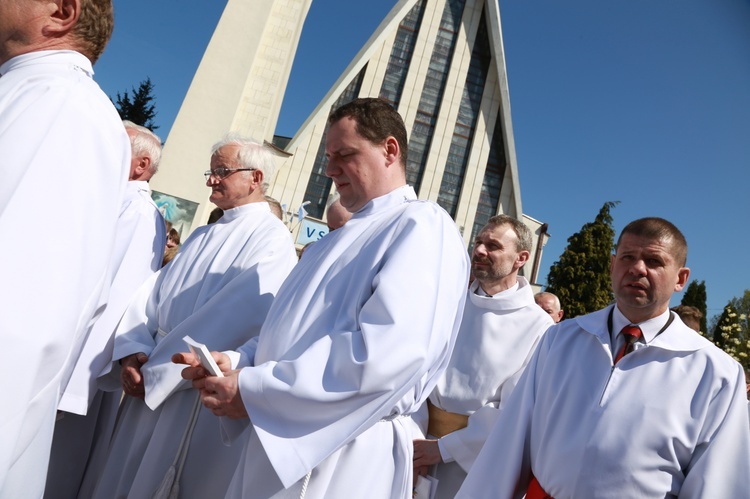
x,y
217,290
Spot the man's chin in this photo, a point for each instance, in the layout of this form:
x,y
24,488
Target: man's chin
x,y
480,274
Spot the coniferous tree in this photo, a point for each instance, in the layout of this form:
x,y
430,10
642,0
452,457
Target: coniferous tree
x,y
695,296
139,108
581,277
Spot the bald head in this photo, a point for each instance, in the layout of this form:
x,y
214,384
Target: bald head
x,y
337,215
550,304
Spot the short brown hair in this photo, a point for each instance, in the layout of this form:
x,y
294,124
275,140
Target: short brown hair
x,y
523,234
94,27
691,316
376,121
658,229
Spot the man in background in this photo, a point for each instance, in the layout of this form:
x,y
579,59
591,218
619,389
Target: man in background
x,y
275,207
550,303
500,328
87,413
336,214
217,290
64,162
691,316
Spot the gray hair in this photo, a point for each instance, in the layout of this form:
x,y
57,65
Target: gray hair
x,y
523,234
252,154
145,143
547,294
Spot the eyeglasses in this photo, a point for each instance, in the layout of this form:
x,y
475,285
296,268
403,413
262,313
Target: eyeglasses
x,y
221,173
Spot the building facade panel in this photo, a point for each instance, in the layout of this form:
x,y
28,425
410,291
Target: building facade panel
x,y
439,62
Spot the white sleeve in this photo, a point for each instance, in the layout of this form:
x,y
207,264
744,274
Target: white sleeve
x,y
504,460
464,445
716,468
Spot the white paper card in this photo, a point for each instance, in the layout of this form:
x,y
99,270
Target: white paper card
x,y
200,351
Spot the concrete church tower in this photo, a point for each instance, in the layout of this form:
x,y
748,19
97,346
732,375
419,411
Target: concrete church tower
x,y
239,86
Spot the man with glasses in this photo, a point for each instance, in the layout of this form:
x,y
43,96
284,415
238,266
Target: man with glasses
x,y
217,290
357,336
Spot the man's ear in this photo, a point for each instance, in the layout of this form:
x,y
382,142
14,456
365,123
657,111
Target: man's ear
x,y
682,278
144,163
523,257
392,150
63,16
258,177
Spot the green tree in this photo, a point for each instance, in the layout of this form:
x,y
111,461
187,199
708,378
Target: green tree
x,y
138,108
581,277
729,335
695,296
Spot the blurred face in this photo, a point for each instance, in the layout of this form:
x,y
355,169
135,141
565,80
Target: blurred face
x,y
235,189
644,276
495,256
355,164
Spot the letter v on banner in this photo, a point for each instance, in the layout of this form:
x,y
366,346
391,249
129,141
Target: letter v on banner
x,y
311,230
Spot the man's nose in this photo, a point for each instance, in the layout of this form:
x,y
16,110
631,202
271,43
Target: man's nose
x,y
332,168
638,268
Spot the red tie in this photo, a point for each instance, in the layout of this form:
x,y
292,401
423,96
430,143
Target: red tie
x,y
631,334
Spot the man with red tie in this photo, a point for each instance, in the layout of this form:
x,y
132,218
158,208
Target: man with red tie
x,y
626,401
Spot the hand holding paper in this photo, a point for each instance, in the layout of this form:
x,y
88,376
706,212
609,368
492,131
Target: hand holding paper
x,y
204,356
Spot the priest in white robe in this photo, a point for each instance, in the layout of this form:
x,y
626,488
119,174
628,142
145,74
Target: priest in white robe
x,y
64,160
606,410
500,328
87,414
357,337
217,290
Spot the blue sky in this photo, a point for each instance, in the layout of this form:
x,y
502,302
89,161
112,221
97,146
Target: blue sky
x,y
646,102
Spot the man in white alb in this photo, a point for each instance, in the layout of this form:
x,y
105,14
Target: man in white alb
x,y
357,336
500,328
64,159
217,290
87,414
626,402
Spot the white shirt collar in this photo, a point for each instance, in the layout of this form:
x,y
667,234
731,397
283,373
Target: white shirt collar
x,y
649,328
73,59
